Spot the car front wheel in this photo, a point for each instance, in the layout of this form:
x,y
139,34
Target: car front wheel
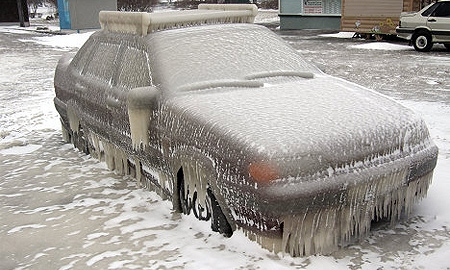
x,y
207,209
422,41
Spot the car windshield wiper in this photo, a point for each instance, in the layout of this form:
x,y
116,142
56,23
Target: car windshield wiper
x,y
219,83
280,73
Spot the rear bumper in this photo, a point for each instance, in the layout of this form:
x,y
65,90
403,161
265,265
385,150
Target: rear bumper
x,y
404,33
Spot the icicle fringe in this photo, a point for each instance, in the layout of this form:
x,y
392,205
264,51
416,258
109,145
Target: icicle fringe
x,y
314,230
324,230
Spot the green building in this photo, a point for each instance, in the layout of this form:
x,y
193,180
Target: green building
x,y
310,14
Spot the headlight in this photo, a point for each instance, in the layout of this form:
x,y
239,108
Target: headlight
x,y
263,172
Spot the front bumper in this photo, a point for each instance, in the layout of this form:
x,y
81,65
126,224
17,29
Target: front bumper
x,y
317,216
334,186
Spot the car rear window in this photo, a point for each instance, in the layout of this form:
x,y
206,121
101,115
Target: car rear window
x,y
430,10
134,69
81,58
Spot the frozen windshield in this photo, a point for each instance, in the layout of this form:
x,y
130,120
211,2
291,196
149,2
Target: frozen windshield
x,y
227,53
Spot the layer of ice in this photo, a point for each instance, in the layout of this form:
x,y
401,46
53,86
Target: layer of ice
x,y
252,99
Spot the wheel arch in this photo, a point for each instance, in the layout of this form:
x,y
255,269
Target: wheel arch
x,y
187,158
422,29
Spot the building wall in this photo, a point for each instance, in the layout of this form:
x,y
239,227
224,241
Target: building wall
x,y
82,14
375,16
295,22
372,8
310,14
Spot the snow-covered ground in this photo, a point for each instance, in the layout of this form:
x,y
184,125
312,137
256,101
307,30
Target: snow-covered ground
x,y
61,209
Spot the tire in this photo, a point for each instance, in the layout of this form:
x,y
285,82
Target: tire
x,y
205,211
185,204
422,41
447,46
202,210
219,222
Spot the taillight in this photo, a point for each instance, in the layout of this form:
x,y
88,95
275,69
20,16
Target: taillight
x,y
263,172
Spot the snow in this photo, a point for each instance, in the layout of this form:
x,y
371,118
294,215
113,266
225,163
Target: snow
x,y
339,35
62,207
382,46
21,150
369,45
75,40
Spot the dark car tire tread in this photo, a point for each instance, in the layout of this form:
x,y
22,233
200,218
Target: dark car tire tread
x,y
219,222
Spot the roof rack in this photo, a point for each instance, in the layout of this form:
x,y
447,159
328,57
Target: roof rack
x,y
142,23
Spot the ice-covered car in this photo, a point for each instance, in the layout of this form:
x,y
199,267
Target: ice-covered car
x,y
229,122
426,27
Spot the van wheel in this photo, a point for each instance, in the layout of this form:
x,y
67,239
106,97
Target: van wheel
x,y
422,41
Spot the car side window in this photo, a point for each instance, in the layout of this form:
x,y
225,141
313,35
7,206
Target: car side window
x,y
102,62
81,58
430,10
443,10
134,69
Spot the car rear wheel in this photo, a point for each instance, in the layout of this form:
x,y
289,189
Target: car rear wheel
x,y
422,41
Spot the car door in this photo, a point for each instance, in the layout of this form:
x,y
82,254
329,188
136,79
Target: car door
x,y
94,84
439,22
132,71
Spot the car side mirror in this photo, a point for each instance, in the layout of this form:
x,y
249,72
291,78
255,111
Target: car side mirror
x,y
141,103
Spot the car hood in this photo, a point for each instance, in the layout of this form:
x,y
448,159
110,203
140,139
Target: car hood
x,y
323,119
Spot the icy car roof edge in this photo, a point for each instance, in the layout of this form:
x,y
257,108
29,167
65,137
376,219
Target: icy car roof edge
x,y
142,23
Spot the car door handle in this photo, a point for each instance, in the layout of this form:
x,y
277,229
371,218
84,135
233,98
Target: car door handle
x,y
432,20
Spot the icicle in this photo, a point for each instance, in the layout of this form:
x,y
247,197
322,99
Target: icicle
x,y
139,124
109,155
65,133
140,106
138,171
74,120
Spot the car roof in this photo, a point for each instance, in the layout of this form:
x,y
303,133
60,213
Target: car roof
x,y
142,23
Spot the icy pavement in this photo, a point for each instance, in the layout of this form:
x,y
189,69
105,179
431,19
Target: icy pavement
x,y
61,209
